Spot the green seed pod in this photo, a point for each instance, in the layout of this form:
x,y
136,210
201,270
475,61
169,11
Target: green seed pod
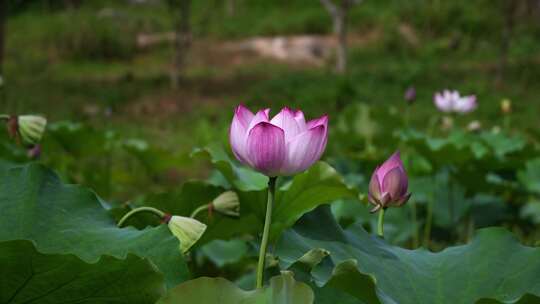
x,y
31,128
187,230
227,203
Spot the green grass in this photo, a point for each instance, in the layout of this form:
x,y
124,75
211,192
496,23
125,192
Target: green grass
x,y
58,62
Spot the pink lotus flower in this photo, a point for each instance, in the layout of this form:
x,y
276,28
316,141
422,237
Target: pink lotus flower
x,y
283,145
389,184
451,101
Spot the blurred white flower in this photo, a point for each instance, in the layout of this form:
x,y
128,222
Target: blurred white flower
x,y
452,102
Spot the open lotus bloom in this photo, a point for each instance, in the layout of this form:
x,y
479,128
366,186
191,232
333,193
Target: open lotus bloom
x,y
283,145
389,184
187,230
451,101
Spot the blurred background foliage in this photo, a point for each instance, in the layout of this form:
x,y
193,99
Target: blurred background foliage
x,y
118,126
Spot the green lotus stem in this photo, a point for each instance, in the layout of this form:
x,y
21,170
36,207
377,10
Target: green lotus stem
x,y
266,231
429,220
140,209
506,122
198,210
415,223
4,116
380,224
407,117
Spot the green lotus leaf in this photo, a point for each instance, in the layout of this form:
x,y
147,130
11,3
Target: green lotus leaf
x,y
494,266
32,277
283,289
70,219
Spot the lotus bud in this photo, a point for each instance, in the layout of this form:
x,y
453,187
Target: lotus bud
x,y
186,229
280,146
31,128
447,123
34,152
410,95
474,126
389,184
314,256
227,203
506,106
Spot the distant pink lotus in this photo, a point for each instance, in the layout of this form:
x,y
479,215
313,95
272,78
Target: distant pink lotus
x,y
389,184
281,146
451,102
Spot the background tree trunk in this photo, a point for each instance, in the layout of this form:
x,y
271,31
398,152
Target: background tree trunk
x,y
230,7
339,15
340,30
182,42
3,21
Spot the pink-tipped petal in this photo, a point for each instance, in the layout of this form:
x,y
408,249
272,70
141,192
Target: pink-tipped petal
x,y
285,119
404,199
443,102
243,115
374,186
321,121
391,163
261,116
304,150
266,149
385,199
301,120
393,183
470,102
238,132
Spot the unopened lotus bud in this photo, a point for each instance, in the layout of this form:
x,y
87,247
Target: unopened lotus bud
x,y
447,123
410,95
506,106
31,128
34,152
314,256
474,126
389,184
186,229
227,203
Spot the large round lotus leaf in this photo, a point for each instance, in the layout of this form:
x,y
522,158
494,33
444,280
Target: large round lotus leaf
x,y
283,289
70,219
493,266
28,276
